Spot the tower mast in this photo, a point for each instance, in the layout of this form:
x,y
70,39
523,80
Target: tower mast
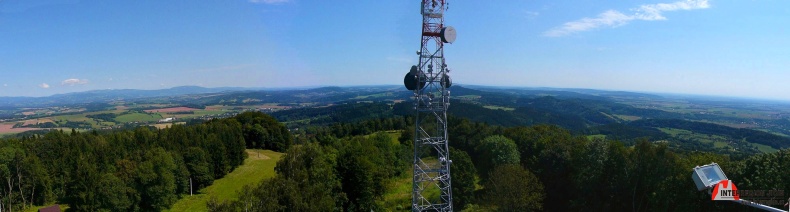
x,y
430,82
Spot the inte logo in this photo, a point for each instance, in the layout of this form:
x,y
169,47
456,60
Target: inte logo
x,y
725,190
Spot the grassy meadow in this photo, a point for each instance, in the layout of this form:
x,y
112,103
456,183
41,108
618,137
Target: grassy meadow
x,y
256,167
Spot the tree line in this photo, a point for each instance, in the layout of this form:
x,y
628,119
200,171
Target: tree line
x,y
350,174
495,168
144,169
349,167
576,173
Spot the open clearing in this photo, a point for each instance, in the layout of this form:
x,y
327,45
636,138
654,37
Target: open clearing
x,y
494,107
398,193
36,208
256,167
627,117
596,136
166,125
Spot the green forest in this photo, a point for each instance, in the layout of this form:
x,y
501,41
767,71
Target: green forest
x,y
133,170
351,166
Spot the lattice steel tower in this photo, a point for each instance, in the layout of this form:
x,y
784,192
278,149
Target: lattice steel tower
x,y
431,188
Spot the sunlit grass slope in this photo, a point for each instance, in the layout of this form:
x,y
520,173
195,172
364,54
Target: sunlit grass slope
x,y
256,168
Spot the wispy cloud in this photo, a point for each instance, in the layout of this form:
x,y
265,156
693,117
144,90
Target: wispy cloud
x,y
652,12
531,14
611,18
614,18
269,1
44,85
74,81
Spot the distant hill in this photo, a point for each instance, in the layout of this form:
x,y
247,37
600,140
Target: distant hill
x,y
224,95
694,124
96,96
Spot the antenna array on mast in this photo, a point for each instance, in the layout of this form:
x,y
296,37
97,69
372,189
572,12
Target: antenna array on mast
x,y
430,81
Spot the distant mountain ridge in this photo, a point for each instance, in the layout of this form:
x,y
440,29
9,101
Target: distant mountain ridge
x,y
625,116
112,95
332,93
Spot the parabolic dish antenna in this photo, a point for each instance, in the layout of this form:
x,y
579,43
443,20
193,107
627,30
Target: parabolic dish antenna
x,y
411,80
447,81
448,34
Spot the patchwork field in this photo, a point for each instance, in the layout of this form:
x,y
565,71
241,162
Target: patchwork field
x,y
124,116
717,140
140,117
74,117
7,128
494,107
36,121
170,110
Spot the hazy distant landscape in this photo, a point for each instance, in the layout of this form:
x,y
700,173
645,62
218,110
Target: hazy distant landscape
x,y
297,105
689,129
687,122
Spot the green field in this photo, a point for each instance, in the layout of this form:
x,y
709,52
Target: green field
x,y
674,132
494,107
717,140
378,95
254,170
627,117
393,134
765,148
398,195
130,114
140,117
597,136
74,117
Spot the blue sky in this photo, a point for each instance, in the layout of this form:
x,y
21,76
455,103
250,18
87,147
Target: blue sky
x,y
729,48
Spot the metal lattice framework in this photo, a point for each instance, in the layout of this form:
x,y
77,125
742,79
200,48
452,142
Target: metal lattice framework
x,y
431,100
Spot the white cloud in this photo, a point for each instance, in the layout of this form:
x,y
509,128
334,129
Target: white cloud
x,y
614,18
74,81
44,85
652,12
531,14
270,1
611,18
